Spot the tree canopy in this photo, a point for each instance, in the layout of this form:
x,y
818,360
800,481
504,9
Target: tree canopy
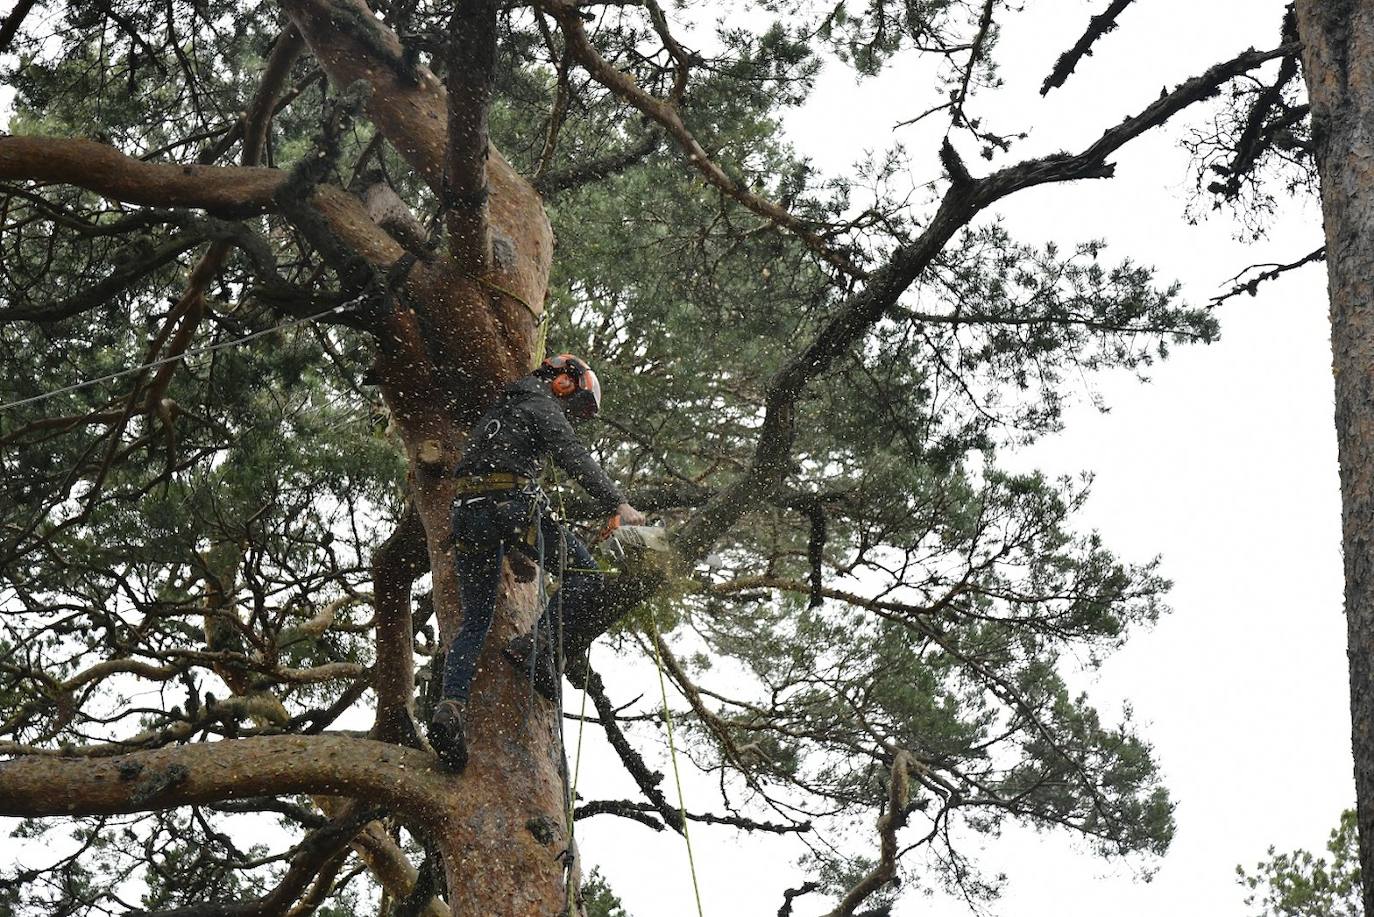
x,y
809,377
1304,884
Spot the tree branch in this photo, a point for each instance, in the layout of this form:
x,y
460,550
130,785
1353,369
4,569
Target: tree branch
x,y
666,114
975,54
313,854
137,262
597,169
407,102
645,779
635,811
402,779
471,72
791,893
396,564
1272,271
10,27
229,191
1098,26
962,202
1254,138
892,821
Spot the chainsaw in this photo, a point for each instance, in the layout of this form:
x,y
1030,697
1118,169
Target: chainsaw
x,y
619,539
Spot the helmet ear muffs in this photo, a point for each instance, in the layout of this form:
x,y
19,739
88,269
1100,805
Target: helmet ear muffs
x,y
570,378
563,384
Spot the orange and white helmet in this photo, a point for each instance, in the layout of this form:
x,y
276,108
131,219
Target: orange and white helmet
x,y
571,379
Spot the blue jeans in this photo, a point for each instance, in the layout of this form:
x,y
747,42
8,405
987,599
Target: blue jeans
x,y
484,529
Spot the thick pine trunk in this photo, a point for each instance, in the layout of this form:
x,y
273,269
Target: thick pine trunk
x,y
461,329
1338,62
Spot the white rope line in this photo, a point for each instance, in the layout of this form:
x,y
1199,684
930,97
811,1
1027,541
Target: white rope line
x,y
200,351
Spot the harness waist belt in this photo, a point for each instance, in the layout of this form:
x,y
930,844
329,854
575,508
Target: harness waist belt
x,y
489,483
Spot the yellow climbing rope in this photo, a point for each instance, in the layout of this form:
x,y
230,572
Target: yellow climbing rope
x,y
672,754
540,316
672,745
577,772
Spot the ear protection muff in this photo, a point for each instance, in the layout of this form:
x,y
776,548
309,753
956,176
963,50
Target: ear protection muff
x,y
565,383
570,377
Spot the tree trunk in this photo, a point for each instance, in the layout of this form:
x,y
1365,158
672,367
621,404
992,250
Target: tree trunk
x,y
463,327
1338,63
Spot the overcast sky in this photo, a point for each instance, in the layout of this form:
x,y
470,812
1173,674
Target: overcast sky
x,y
1224,464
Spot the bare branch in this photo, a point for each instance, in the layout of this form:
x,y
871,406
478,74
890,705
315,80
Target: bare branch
x,y
400,778
645,779
1270,272
1098,26
791,893
892,821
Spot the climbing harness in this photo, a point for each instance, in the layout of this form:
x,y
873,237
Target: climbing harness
x,y
490,483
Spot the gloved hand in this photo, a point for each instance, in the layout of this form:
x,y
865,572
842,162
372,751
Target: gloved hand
x,y
629,515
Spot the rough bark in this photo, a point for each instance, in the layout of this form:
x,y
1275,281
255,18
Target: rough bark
x,y
456,336
471,74
401,779
221,190
1338,63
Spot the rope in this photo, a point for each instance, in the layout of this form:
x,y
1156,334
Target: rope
x,y
570,786
672,753
200,351
540,316
495,287
577,772
582,724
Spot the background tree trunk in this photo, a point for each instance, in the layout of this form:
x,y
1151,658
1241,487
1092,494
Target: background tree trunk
x,y
1338,62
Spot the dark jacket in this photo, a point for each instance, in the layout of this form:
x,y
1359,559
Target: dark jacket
x,y
525,425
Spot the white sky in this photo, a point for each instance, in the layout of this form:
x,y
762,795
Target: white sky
x,y
1224,464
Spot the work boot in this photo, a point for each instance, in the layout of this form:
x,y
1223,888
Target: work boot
x,y
518,653
448,734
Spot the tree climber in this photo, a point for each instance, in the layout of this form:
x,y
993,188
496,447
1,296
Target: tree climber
x,y
498,506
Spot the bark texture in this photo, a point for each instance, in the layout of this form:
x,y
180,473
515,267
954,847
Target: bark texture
x,y
221,190
1338,62
462,328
